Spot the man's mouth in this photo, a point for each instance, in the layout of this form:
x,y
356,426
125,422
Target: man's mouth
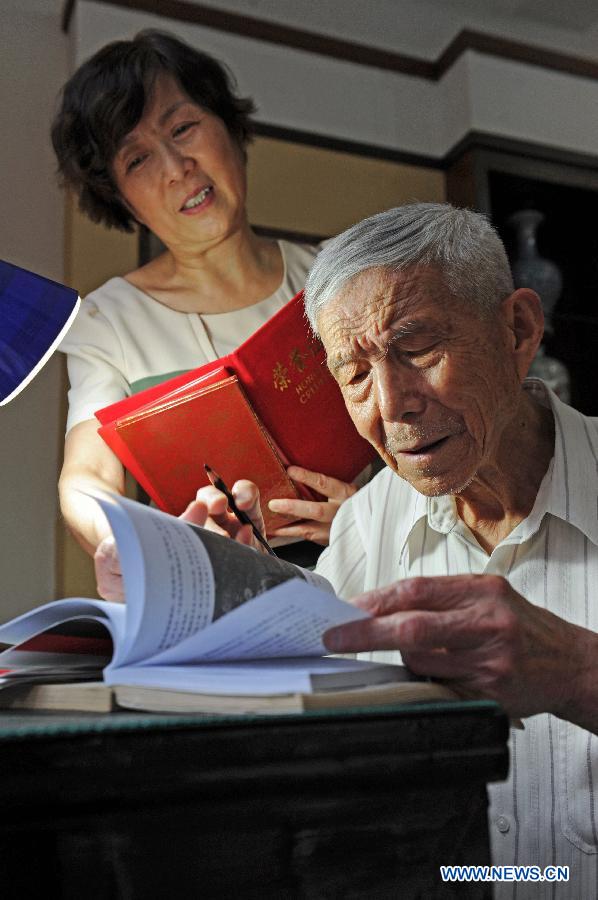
x,y
198,198
422,449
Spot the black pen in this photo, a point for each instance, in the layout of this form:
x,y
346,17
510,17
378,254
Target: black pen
x,y
242,516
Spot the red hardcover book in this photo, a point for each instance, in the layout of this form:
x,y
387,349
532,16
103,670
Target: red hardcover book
x,y
170,445
111,433
282,370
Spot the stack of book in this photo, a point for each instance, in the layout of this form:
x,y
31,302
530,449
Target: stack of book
x,y
209,625
270,403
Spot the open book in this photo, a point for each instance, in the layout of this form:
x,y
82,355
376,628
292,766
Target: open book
x,y
208,624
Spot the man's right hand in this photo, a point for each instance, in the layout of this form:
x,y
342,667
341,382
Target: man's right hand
x,y
210,510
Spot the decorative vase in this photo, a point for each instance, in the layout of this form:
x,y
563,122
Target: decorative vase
x,y
534,271
529,268
552,372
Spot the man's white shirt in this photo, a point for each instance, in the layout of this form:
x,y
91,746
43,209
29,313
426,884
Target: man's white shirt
x,y
547,811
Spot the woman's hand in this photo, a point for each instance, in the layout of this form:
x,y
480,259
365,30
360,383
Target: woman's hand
x,y
316,515
89,465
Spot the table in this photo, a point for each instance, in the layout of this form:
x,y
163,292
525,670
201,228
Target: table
x,y
350,804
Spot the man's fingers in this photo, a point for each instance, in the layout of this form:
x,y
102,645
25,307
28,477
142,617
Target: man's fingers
x,y
247,498
215,501
438,664
308,531
247,495
226,525
323,484
304,509
315,516
196,513
434,593
211,509
245,536
415,631
364,634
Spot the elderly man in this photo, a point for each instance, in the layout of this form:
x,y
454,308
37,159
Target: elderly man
x,y
489,496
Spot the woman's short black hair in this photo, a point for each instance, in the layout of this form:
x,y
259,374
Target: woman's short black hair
x,y
105,98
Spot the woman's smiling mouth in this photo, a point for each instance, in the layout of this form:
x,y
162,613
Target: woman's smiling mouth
x,y
197,199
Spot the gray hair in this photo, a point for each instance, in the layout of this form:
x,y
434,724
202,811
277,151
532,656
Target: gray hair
x,y
462,243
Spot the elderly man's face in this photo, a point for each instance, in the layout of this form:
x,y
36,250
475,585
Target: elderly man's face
x,y
426,379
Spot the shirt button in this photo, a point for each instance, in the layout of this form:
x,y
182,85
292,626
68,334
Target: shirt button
x,y
503,824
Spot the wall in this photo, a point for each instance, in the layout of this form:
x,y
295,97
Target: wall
x,y
333,97
292,88
318,191
424,27
31,235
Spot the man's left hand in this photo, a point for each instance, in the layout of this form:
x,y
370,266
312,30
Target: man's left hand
x,y
316,515
481,638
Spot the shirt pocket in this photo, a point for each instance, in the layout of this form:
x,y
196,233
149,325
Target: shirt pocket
x,y
578,770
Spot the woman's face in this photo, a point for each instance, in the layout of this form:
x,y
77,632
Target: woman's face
x,y
180,171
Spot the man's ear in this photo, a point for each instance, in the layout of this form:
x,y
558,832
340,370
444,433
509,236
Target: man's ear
x,y
523,315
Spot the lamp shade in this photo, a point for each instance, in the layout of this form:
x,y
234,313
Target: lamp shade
x,y
35,314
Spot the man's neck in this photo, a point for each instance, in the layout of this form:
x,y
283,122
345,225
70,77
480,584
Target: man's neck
x,y
504,491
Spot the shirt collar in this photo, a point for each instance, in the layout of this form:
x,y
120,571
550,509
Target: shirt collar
x,y
563,491
569,489
418,511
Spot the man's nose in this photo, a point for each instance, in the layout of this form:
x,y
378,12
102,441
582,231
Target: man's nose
x,y
398,393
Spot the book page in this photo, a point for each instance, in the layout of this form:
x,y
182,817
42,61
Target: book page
x,y
288,620
168,579
40,619
179,578
241,572
260,677
317,580
75,634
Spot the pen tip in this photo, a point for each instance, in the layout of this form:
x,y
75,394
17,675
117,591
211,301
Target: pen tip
x,y
207,467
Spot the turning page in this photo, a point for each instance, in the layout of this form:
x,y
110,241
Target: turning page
x,y
286,621
180,578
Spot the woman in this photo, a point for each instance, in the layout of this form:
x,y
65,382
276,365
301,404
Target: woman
x,y
150,131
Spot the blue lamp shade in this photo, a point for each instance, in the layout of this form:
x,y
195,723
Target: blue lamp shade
x,y
35,314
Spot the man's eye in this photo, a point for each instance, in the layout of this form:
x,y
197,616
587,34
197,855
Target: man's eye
x,y
357,378
420,351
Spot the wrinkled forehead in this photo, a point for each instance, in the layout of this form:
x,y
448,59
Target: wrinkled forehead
x,y
378,297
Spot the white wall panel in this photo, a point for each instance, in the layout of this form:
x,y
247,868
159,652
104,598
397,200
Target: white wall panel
x,y
297,89
528,103
292,88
